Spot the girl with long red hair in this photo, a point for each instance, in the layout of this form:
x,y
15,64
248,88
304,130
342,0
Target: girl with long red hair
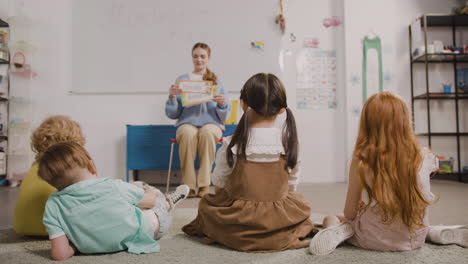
x,y
388,188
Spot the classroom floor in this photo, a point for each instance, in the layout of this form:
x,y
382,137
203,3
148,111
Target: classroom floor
x,y
326,198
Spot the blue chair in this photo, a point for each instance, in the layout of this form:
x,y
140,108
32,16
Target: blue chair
x,y
148,145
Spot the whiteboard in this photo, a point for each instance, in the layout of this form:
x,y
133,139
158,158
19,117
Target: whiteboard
x,y
139,46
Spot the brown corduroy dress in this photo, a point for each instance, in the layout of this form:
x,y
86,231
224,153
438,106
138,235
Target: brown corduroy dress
x,y
255,212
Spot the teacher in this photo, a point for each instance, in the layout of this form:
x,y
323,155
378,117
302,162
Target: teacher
x,y
199,127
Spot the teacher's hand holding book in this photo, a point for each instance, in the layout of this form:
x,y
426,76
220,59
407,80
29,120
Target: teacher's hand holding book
x,y
220,99
174,91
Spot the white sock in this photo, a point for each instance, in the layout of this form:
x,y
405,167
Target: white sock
x,y
456,234
325,241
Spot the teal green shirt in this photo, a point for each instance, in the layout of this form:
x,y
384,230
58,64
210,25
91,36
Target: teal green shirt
x,y
100,215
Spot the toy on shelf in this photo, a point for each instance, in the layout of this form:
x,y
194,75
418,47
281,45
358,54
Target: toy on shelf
x,y
445,164
3,54
461,10
465,169
447,88
3,37
4,181
462,80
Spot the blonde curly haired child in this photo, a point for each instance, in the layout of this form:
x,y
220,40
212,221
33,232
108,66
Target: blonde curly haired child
x,y
34,191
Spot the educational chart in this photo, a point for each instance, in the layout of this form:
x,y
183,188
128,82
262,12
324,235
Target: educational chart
x,y
316,78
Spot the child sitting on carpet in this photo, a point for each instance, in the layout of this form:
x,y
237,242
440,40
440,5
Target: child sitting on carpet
x,y
255,207
99,215
390,169
33,191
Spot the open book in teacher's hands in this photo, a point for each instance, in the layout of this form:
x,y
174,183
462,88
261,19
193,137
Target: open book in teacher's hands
x,y
197,92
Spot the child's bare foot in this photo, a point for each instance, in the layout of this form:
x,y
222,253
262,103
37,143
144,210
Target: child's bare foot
x,y
192,194
203,191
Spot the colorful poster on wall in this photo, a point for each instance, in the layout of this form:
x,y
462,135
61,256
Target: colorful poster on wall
x,y
316,78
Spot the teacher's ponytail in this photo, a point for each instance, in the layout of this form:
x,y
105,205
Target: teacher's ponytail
x,y
209,75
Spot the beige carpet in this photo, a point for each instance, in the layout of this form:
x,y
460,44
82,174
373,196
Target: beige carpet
x,y
179,248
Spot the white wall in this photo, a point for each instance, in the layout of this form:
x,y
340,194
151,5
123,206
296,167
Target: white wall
x,y
125,46
327,136
321,131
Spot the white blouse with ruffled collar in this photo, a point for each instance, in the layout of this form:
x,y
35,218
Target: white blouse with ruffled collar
x,y
264,146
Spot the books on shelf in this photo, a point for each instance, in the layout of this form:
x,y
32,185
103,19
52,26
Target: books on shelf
x,y
462,80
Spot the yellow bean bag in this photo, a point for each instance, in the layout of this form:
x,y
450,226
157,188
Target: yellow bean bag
x,y
29,210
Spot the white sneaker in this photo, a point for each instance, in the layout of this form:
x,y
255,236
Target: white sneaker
x,y
449,235
177,196
325,241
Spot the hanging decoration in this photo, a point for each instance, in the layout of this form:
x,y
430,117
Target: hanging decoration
x,y
388,79
292,37
311,42
355,80
280,18
371,41
356,110
257,45
333,21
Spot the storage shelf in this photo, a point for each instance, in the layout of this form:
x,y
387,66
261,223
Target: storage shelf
x,y
3,24
2,61
451,24
441,58
445,20
454,176
442,134
440,96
